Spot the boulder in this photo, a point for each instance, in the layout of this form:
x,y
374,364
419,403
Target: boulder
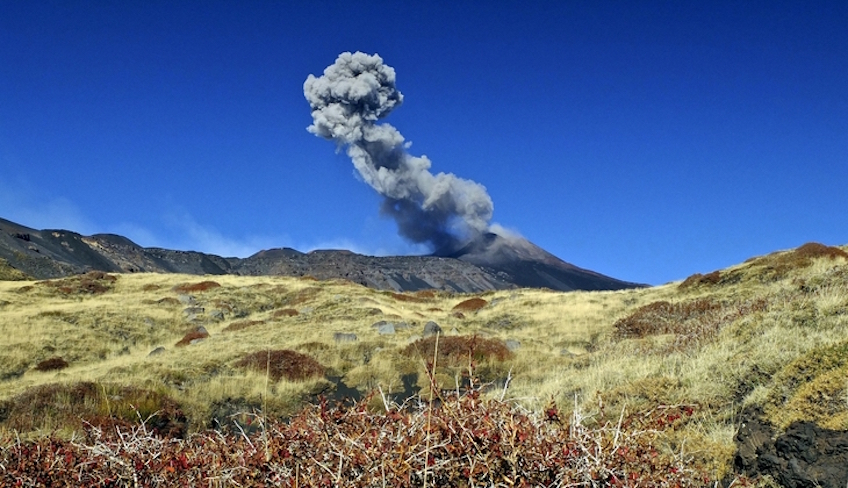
x,y
156,352
431,328
385,328
512,344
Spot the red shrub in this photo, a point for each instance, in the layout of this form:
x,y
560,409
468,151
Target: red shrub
x,y
196,287
470,305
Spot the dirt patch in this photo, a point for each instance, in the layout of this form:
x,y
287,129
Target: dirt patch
x,y
806,455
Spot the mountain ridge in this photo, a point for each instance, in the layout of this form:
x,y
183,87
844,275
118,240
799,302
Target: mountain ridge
x,y
493,262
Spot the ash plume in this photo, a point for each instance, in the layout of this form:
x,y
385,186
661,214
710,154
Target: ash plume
x,y
441,210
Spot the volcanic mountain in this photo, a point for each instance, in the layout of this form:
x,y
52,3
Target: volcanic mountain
x,y
492,262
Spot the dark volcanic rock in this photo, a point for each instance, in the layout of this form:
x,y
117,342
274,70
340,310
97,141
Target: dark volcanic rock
x,y
806,455
491,263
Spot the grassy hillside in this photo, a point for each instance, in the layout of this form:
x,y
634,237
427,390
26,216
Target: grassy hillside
x,y
768,335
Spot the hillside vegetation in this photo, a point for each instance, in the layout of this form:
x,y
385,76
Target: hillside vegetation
x,y
646,385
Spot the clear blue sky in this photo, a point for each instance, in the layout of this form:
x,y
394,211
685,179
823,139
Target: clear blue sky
x,y
644,140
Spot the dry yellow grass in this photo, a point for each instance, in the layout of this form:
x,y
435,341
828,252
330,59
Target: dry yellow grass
x,y
766,328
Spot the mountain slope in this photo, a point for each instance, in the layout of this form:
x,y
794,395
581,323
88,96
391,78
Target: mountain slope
x,y
492,263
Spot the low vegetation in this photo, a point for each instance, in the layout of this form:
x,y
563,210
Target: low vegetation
x,y
646,387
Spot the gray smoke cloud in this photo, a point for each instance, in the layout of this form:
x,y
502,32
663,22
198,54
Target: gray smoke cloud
x,y
442,210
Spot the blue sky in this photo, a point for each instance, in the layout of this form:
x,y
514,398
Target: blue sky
x,y
644,140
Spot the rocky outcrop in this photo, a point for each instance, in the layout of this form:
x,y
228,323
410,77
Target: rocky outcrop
x,y
805,455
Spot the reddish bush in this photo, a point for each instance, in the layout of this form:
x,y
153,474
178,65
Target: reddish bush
x,y
403,297
191,336
196,287
470,305
244,324
284,363
285,312
464,441
699,279
92,283
54,363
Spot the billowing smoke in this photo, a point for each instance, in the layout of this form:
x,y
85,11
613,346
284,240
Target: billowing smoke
x,y
441,210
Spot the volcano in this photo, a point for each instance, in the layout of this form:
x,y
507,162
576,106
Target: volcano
x,y
527,265
491,262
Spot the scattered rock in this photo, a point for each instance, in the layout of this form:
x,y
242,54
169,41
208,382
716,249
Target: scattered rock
x,y
431,328
193,311
374,311
167,301
385,328
202,330
343,337
156,352
186,299
566,353
458,315
217,315
512,344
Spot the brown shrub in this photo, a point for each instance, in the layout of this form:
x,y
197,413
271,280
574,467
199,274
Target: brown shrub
x,y
699,279
52,364
196,287
458,350
692,322
92,283
776,266
186,340
403,297
57,406
470,305
244,324
663,318
284,363
462,441
285,312
813,250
